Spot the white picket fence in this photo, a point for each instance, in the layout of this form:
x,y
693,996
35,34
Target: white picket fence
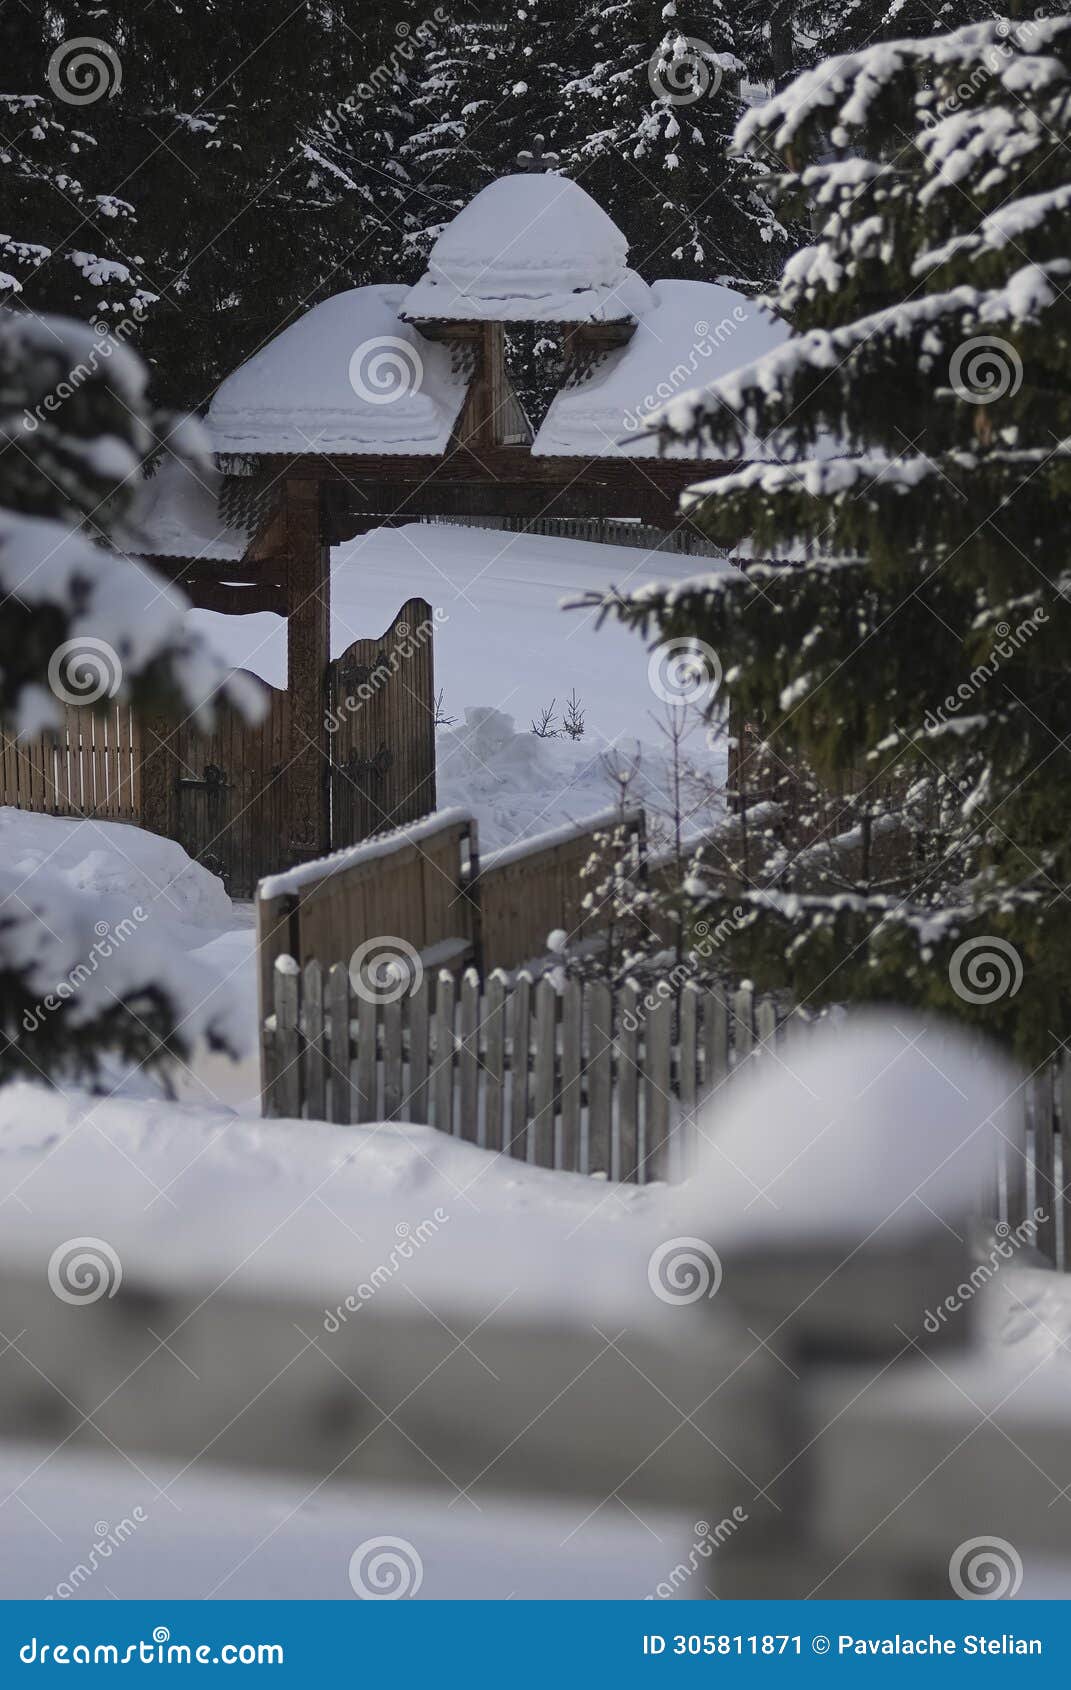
x,y
578,1078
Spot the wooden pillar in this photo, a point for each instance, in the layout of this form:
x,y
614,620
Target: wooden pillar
x,y
308,591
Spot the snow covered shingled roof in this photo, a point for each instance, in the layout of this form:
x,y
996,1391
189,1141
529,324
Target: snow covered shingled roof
x,y
692,334
533,249
178,516
346,377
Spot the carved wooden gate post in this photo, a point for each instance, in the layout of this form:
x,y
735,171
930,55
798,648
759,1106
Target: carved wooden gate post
x,y
308,595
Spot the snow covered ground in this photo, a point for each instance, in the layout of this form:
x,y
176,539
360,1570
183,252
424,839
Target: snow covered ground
x,y
505,641
190,1196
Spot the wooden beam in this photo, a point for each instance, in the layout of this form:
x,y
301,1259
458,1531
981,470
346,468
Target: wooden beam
x,y
236,600
308,653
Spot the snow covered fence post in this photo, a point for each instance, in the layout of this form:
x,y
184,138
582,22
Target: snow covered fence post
x,y
837,1193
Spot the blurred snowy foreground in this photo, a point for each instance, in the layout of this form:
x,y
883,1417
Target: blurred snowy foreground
x,y
875,1130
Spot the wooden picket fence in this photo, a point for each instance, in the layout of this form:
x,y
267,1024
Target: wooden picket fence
x,y
1031,1194
90,766
574,1076
580,1078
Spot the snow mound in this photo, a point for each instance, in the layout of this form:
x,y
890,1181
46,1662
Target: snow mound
x,y
346,377
100,912
520,786
533,249
693,332
111,860
862,1128
308,1208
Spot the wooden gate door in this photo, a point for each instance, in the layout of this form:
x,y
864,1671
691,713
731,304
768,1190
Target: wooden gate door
x,y
381,728
229,787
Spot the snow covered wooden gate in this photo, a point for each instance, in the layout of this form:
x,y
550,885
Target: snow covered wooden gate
x,y
381,728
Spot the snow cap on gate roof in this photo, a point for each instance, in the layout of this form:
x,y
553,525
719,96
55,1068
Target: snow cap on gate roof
x,y
346,377
532,248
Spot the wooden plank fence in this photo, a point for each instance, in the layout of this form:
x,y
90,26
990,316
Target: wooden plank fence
x,y
91,766
572,1077
533,888
426,888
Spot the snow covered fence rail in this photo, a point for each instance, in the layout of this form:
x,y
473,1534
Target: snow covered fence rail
x,y
561,1075
423,895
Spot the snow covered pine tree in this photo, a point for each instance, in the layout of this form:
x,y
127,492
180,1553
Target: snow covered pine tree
x,y
82,623
646,128
916,630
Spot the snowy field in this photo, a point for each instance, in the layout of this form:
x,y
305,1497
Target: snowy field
x,y
505,642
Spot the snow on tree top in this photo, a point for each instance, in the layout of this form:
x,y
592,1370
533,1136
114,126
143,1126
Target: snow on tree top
x,y
693,332
533,248
346,377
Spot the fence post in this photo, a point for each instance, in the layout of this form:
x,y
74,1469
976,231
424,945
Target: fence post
x,y
314,1055
541,1130
287,1081
599,1067
687,1074
469,1057
627,1136
418,1053
494,1061
392,1060
443,1071
338,1002
657,1073
366,1059
519,1040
